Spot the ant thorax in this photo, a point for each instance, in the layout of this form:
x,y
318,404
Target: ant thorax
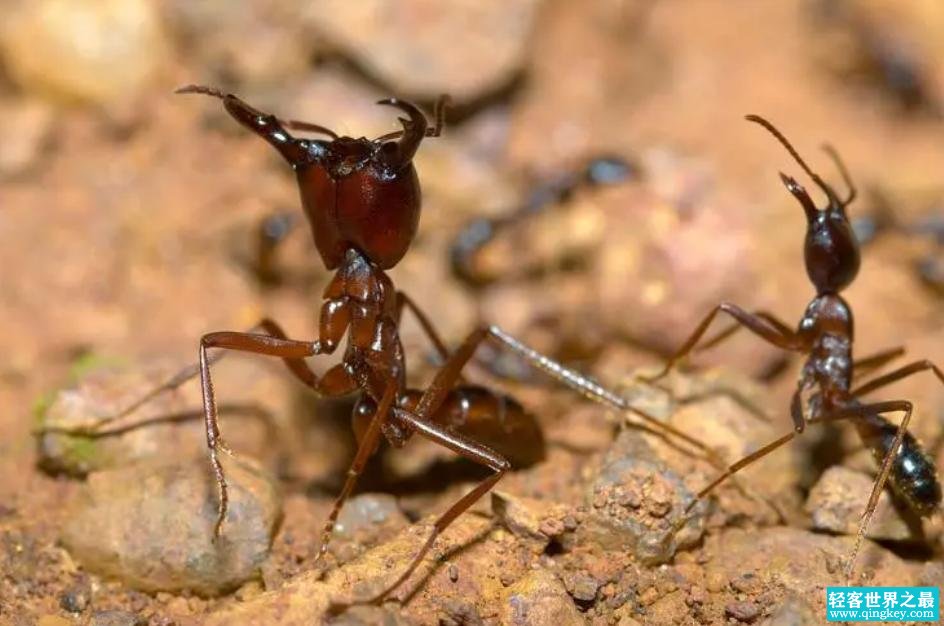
x,y
828,325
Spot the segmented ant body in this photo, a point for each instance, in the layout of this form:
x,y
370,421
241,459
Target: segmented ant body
x,y
362,199
825,336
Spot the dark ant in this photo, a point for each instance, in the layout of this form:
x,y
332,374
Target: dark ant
x,y
825,334
475,236
472,257
269,233
882,59
362,199
882,220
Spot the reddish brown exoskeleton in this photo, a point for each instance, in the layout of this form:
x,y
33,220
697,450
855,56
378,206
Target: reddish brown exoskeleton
x,y
362,199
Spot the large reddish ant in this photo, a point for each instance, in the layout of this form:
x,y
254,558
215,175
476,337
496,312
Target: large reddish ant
x,y
825,334
362,199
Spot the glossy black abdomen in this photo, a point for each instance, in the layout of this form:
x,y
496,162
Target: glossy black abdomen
x,y
913,476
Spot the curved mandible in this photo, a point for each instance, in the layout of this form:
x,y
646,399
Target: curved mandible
x,y
414,130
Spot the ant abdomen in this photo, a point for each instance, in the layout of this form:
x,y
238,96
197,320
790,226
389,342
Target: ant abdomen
x,y
913,476
493,419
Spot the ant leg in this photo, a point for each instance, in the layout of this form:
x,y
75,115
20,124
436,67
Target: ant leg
x,y
733,328
770,447
902,372
464,447
764,328
737,466
290,350
877,360
880,480
404,300
443,102
365,449
298,367
585,386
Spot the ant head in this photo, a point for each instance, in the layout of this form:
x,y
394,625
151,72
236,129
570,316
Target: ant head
x,y
364,193
359,194
384,158
831,250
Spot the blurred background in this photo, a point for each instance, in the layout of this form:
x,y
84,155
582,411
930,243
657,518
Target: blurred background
x,y
133,220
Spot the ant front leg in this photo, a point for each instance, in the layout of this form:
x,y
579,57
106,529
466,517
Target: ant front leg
x,y
299,368
733,328
292,351
767,328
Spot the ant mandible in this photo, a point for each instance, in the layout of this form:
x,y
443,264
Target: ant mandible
x,y
362,199
825,335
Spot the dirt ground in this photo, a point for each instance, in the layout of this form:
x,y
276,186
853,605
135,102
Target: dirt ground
x,y
129,226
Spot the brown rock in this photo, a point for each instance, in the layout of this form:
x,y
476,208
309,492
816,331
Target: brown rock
x,y
102,393
370,616
528,518
637,504
116,618
423,48
793,612
306,599
743,611
169,423
836,504
539,598
799,563
151,526
86,50
26,125
266,43
727,414
366,511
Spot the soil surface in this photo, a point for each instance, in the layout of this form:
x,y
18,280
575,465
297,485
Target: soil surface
x,y
130,225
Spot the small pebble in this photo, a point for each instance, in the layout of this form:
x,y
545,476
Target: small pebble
x,y
453,572
538,599
746,583
75,599
582,587
115,618
715,580
742,611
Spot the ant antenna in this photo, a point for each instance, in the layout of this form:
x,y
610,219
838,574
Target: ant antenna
x,y
293,124
443,102
841,166
786,144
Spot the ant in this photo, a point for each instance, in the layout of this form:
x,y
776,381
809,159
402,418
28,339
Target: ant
x,y
473,256
930,267
825,335
362,199
470,243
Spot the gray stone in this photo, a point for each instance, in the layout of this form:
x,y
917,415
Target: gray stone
x,y
638,504
151,526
